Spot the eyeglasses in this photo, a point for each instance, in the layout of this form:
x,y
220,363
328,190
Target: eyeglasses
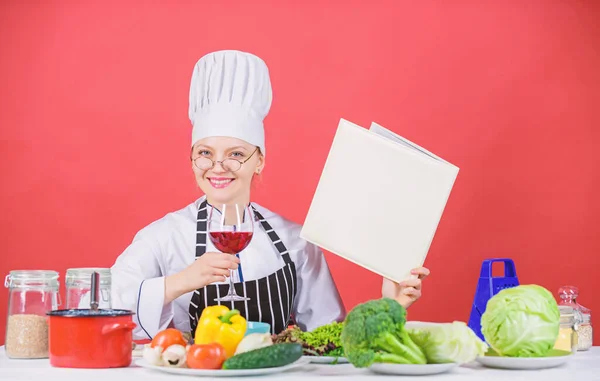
x,y
229,164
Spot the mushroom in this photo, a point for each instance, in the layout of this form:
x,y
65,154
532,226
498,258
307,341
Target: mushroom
x,y
174,356
152,355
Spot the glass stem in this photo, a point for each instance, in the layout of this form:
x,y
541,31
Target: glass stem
x,y
231,287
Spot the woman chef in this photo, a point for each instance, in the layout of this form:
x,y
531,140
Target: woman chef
x,y
170,271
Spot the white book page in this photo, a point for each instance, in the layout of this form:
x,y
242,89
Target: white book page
x,y
382,131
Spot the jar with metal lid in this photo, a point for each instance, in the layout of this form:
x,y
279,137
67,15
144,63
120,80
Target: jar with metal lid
x,y
78,286
31,294
583,316
567,332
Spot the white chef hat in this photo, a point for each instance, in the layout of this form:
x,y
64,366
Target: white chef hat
x,y
230,95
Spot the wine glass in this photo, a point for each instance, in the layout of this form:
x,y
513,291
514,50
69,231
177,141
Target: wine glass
x,y
230,228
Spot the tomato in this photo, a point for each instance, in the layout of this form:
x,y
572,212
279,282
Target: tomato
x,y
168,337
206,356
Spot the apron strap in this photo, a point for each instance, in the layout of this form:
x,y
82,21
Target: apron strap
x,y
273,237
201,229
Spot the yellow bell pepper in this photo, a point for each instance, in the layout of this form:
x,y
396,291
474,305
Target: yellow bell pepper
x,y
218,324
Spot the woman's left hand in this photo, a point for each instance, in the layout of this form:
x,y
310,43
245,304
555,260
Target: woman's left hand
x,y
406,292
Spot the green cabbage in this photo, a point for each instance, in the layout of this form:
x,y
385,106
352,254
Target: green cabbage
x,y
447,342
521,321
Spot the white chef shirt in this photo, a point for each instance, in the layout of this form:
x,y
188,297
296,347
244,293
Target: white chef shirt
x,y
168,245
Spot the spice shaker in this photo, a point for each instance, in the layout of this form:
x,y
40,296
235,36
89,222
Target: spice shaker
x,y
78,287
583,315
31,293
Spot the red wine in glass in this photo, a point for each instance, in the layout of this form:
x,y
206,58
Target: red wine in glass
x,y
230,242
230,228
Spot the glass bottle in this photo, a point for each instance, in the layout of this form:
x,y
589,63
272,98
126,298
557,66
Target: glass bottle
x,y
583,316
78,285
31,294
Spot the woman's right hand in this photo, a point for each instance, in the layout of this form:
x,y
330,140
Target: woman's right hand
x,y
209,268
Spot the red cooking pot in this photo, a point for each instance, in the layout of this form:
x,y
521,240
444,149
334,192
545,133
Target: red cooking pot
x,y
81,338
90,338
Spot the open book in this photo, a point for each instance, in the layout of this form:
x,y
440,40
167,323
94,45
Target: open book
x,y
379,200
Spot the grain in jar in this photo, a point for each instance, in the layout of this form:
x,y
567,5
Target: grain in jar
x,y
585,333
27,336
32,293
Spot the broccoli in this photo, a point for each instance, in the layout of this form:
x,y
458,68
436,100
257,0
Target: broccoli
x,y
374,333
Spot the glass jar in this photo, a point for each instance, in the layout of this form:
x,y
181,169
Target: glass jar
x,y
31,294
567,332
78,283
583,316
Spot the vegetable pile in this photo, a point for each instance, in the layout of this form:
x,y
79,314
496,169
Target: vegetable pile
x,y
219,343
521,321
322,341
376,332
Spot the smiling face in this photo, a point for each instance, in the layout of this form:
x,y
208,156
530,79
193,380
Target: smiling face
x,y
223,183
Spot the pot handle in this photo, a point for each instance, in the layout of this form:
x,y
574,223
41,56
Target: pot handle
x,y
110,328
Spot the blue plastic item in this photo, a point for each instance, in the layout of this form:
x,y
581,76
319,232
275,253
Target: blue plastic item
x,y
489,286
257,327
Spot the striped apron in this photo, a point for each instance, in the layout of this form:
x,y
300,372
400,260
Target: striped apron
x,y
271,298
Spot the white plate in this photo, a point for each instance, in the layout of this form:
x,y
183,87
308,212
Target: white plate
x,y
555,358
326,359
412,369
221,372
